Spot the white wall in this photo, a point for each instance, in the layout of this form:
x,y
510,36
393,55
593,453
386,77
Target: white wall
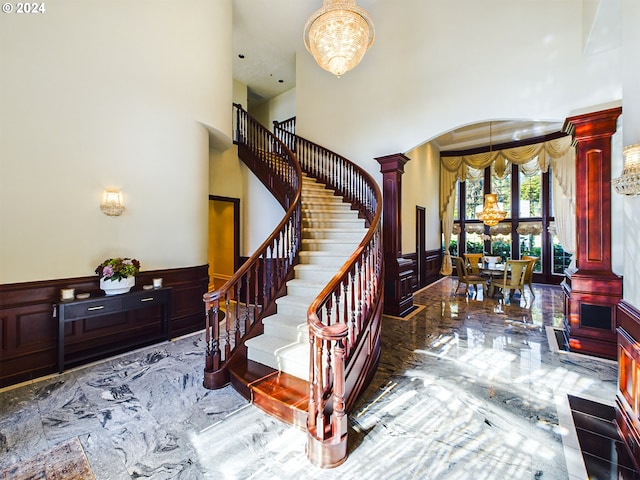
x,y
283,107
523,61
631,136
100,95
420,185
279,108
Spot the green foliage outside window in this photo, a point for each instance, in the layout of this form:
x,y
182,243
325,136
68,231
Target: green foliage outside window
x,y
474,247
453,248
561,259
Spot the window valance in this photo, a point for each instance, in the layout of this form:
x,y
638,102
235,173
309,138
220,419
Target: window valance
x,y
533,158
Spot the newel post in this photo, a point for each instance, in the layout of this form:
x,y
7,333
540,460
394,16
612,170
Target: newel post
x,y
592,291
398,271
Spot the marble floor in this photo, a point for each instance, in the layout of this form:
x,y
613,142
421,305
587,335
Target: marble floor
x,y
467,387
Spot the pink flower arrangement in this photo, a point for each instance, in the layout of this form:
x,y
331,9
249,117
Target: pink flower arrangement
x,y
117,268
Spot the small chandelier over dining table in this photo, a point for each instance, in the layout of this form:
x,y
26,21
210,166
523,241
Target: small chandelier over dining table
x,y
491,214
338,35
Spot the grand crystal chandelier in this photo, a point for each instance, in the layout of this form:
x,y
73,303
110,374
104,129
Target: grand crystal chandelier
x,y
338,35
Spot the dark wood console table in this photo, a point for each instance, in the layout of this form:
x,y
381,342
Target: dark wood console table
x,y
74,310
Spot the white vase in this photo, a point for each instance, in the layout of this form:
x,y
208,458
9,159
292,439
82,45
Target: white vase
x,y
116,287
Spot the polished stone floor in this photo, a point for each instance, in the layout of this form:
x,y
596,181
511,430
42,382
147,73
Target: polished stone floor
x,y
467,388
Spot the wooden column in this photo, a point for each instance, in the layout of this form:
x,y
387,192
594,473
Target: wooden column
x,y
398,295
592,290
628,395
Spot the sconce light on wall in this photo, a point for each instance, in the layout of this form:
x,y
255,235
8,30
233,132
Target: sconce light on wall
x,y
629,182
112,203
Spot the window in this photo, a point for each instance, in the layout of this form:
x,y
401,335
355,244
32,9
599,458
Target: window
x,y
530,234
530,181
502,186
474,189
524,193
501,240
561,259
474,238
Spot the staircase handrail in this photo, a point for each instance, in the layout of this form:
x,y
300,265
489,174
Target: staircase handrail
x,y
346,313
250,293
286,131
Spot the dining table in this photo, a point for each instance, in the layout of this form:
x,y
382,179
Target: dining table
x,y
491,272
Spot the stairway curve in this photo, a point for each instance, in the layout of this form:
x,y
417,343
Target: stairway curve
x,y
331,232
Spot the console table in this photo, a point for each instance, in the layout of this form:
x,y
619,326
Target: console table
x,y
71,311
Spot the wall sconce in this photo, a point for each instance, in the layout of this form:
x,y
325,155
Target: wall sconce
x,y
112,203
629,182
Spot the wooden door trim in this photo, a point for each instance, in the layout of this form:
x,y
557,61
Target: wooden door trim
x,y
236,226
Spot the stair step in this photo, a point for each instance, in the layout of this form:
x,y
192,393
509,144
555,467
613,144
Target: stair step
x,y
292,328
330,215
284,396
316,204
320,273
316,187
295,305
280,354
323,258
346,246
333,233
329,209
304,287
333,223
313,197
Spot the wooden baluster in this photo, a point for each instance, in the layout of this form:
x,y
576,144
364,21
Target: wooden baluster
x,y
215,343
353,327
311,411
338,418
250,310
256,291
234,318
359,313
265,285
207,319
337,296
319,393
227,328
328,368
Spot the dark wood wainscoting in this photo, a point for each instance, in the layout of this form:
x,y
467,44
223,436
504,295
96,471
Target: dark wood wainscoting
x,y
628,396
431,264
28,325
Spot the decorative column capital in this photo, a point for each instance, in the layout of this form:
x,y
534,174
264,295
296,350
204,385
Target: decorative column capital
x,y
392,163
592,125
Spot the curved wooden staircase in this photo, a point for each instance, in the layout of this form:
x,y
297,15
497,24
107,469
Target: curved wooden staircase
x,y
297,329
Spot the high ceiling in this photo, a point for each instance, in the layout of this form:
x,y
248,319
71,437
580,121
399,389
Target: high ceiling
x,y
267,34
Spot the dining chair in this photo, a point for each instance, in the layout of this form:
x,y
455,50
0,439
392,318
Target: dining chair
x,y
465,277
513,278
473,260
528,279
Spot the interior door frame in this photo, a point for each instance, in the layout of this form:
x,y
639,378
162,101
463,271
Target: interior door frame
x,y
236,226
421,251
